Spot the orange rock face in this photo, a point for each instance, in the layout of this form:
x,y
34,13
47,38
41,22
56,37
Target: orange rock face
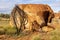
x,y
41,14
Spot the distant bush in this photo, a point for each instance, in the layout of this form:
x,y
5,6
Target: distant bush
x,y
5,15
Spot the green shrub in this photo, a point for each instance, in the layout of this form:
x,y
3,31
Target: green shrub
x,y
5,15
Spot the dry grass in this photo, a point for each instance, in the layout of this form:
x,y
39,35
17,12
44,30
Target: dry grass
x,y
5,28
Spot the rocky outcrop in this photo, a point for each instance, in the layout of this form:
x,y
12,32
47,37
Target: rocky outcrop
x,y
31,16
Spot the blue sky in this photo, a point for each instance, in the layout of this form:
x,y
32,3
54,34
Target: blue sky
x,y
6,6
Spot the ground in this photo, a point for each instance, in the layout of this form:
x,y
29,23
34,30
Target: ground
x,y
8,33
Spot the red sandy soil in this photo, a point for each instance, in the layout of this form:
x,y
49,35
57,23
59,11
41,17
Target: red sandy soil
x,y
27,37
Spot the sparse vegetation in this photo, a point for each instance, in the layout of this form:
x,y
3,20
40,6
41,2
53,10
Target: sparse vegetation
x,y
36,37
5,28
5,15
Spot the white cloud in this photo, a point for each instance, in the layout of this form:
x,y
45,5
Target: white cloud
x,y
9,4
